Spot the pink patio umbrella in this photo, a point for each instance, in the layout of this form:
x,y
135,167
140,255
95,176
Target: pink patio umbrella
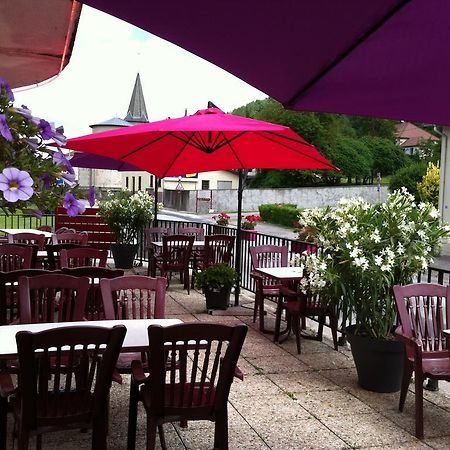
x,y
205,141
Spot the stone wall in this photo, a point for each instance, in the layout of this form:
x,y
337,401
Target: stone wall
x,y
308,197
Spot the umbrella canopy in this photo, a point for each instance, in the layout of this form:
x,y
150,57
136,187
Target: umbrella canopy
x,y
91,161
383,58
206,141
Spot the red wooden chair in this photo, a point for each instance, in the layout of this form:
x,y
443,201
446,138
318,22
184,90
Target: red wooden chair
x,y
176,253
94,303
16,257
218,250
266,256
83,256
53,261
47,228
154,234
70,238
192,367
133,297
63,382
197,232
9,293
28,238
52,298
298,306
424,311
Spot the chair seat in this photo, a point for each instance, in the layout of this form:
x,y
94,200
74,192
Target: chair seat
x,y
436,368
123,364
179,396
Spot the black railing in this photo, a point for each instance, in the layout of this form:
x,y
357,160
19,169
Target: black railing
x,y
25,221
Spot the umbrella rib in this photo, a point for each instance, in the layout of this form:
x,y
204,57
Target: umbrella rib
x,y
132,152
228,141
235,153
298,151
322,73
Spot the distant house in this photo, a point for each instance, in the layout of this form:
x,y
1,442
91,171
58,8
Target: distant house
x,y
409,137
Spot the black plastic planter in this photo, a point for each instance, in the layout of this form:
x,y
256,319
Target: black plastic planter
x,y
124,255
379,363
217,298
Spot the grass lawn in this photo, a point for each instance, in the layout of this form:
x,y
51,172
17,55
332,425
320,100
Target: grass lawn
x,y
24,221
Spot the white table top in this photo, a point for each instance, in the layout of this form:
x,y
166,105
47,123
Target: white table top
x,y
136,338
281,273
47,234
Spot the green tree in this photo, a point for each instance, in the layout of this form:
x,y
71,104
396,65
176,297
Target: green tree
x,y
387,156
409,177
370,126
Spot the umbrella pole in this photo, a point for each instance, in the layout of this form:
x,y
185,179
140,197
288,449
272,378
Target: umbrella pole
x,y
155,216
237,260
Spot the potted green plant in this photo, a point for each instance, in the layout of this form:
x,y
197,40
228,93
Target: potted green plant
x,y
216,283
126,214
367,249
249,224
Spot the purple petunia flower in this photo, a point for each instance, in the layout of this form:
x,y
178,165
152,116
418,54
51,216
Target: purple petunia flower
x,y
46,129
68,178
82,205
4,128
45,177
37,213
71,205
91,195
60,159
25,112
58,136
33,143
16,184
4,85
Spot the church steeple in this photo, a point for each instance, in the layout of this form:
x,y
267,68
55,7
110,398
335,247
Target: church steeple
x,y
137,112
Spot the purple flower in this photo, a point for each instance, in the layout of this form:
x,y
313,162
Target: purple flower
x,y
45,178
4,128
4,85
46,129
82,205
32,142
91,195
25,112
58,136
71,205
16,184
68,178
37,213
61,160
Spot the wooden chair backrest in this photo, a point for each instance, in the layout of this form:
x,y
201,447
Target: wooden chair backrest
x,y
198,232
269,256
177,250
28,238
155,234
218,249
52,298
70,238
192,367
16,257
83,256
134,297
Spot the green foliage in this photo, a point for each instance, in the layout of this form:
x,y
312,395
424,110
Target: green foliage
x,y
127,214
370,126
353,157
409,177
429,186
387,156
216,277
367,249
280,213
429,150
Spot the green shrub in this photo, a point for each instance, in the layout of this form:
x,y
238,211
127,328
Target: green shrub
x,y
216,277
409,177
429,186
280,213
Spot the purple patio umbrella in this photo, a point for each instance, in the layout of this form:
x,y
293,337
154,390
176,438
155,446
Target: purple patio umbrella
x,y
92,161
383,58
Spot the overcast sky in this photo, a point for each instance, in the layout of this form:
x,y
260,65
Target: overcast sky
x,y
98,82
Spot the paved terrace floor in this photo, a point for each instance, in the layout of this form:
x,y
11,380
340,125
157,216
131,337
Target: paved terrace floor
x,y
286,401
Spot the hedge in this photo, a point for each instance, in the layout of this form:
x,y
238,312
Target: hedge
x,y
280,213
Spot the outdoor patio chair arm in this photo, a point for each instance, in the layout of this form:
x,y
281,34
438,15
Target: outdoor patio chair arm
x,y
237,372
6,385
409,341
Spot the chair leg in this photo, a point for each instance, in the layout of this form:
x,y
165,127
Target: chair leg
x,y
39,442
406,379
99,431
132,415
419,405
151,433
334,329
3,421
276,335
221,431
187,284
320,329
162,438
297,330
255,308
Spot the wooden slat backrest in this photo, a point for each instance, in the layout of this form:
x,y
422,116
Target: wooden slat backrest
x,y
218,249
15,257
85,256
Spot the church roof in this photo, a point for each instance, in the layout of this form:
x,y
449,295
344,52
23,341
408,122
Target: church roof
x,y
137,112
115,121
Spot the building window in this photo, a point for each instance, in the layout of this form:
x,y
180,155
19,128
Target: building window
x,y
126,182
139,183
134,184
224,184
205,184
151,181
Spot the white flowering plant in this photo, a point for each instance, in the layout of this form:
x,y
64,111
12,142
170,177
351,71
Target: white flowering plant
x,y
127,214
367,249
